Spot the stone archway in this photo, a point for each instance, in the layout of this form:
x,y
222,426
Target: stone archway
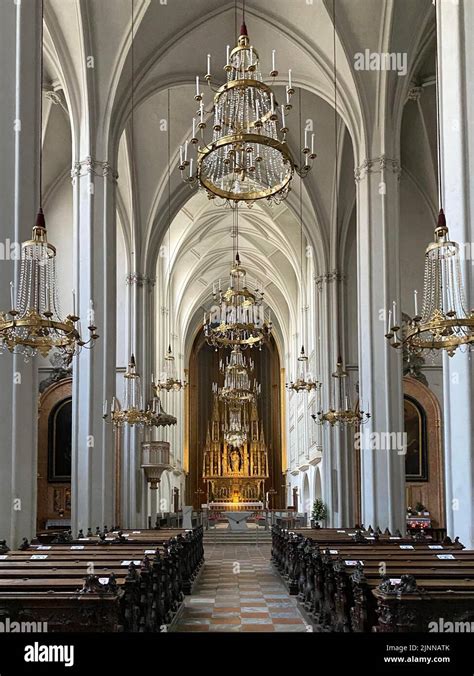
x,y
429,491
54,492
306,497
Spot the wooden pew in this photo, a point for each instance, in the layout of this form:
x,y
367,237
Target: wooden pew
x,y
361,586
143,578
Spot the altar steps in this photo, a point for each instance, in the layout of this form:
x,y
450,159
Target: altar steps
x,y
225,537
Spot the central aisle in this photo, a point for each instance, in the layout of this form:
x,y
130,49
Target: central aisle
x,y
239,590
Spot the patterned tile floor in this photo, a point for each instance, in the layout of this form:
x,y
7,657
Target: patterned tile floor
x,y
238,590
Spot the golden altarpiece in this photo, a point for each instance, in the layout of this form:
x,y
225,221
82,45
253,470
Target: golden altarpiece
x,y
235,469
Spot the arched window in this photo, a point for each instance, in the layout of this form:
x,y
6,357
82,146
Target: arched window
x,y
59,441
416,459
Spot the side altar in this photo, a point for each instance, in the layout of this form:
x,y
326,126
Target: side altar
x,y
235,470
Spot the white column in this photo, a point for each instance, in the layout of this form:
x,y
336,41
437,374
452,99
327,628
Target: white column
x,y
328,477
94,186
20,35
380,369
456,54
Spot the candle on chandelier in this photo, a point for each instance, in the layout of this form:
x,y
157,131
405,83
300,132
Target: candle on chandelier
x,y
194,127
389,321
283,117
204,319
287,95
273,59
394,313
185,151
251,56
312,144
305,138
208,64
201,111
74,302
227,54
12,295
415,296
191,167
104,409
289,79
272,102
197,85
181,154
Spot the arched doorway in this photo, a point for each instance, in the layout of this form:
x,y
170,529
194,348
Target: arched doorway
x,y
423,460
54,455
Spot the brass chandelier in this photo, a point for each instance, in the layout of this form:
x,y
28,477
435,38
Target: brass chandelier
x,y
304,380
34,323
239,386
237,316
169,380
132,413
248,157
157,417
341,412
445,323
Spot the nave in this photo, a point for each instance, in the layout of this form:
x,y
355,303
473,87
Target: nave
x,y
239,590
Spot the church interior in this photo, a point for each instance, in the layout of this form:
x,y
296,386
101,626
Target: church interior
x,y
235,331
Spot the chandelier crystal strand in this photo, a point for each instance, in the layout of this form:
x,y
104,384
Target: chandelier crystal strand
x,y
247,157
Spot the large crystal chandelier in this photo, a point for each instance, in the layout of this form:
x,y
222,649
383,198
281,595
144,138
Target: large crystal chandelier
x,y
341,411
34,324
247,158
239,384
237,316
445,322
304,380
132,411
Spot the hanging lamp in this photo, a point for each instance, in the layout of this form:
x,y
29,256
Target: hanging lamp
x,y
247,157
445,323
35,324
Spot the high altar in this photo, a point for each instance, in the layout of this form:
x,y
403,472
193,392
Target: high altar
x,y
235,474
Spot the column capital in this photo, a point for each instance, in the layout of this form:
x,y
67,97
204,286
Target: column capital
x,y
329,277
414,93
140,279
377,165
92,166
